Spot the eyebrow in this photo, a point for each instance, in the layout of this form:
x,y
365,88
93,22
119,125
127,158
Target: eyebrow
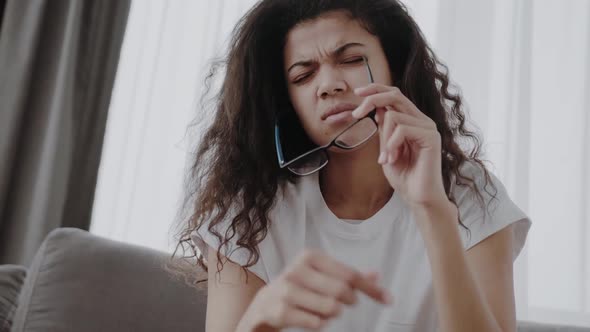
x,y
335,53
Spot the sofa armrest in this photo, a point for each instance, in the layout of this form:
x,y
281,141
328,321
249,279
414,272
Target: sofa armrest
x,y
82,282
11,281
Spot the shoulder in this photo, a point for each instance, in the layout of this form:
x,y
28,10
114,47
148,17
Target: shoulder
x,y
475,175
475,184
485,206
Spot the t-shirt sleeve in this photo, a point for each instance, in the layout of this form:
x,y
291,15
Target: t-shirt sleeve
x,y
203,238
496,212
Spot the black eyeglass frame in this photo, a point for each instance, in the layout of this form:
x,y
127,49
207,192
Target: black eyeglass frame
x,y
334,142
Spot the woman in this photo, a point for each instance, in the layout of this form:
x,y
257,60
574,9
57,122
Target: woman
x,y
373,218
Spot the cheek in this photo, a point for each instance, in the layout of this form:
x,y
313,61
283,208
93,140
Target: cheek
x,y
297,98
386,78
303,103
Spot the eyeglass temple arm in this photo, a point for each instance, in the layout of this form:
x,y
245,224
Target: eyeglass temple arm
x,y
369,70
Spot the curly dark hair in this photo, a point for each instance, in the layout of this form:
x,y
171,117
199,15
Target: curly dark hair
x,y
235,172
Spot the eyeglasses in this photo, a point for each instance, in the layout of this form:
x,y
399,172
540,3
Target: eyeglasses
x,y
350,138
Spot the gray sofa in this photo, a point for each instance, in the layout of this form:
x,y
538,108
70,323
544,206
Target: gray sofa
x,y
81,282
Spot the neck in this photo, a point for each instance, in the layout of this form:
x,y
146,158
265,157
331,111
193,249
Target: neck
x,y
353,183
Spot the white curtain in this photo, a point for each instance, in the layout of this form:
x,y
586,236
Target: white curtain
x,y
524,70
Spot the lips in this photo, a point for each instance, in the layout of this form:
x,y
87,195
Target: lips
x,y
336,110
339,118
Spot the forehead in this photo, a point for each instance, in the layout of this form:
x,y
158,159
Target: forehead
x,y
317,37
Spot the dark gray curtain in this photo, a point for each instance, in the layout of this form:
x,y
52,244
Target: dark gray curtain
x,y
2,4
58,60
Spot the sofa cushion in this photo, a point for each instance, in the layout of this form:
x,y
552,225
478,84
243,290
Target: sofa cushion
x,y
11,280
81,282
537,327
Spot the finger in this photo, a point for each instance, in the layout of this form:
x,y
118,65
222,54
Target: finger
x,y
404,133
379,118
292,316
373,276
325,285
401,153
398,118
389,95
371,89
388,128
405,119
324,263
337,270
372,290
388,98
300,297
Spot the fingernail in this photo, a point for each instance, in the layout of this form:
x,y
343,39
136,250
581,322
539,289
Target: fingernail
x,y
381,158
390,159
357,90
387,298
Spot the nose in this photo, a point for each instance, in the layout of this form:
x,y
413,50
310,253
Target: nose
x,y
331,84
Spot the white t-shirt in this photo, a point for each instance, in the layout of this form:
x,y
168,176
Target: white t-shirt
x,y
388,242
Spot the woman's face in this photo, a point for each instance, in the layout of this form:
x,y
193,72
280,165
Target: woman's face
x,y
323,65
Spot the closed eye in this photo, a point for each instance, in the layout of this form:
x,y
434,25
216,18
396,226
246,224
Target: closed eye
x,y
301,78
348,61
352,60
